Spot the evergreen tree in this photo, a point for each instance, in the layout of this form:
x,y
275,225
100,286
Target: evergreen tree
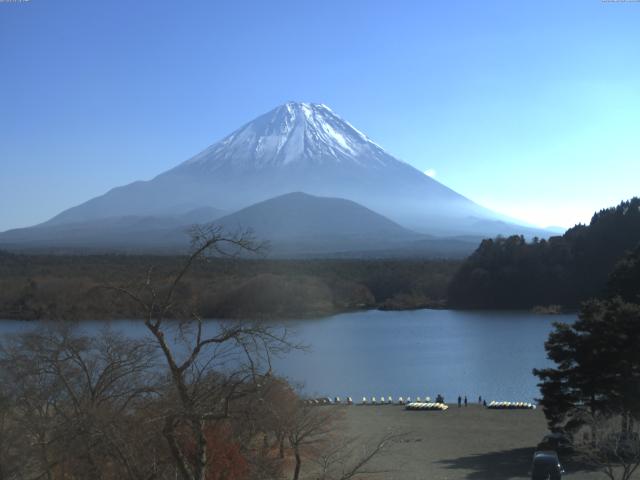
x,y
597,366
624,281
564,270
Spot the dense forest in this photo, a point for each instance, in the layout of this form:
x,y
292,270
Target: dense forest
x,y
564,270
73,287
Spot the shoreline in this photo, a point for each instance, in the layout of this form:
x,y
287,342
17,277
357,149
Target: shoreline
x,y
307,316
73,287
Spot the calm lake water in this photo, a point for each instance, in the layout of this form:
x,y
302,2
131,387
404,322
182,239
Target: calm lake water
x,y
410,353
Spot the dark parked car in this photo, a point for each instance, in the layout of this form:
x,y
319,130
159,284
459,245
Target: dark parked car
x,y
558,442
546,466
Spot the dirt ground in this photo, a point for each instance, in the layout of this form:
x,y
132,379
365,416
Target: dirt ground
x,y
461,443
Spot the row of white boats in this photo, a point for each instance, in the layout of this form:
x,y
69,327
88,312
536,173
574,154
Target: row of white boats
x,y
390,401
427,406
329,401
511,406
365,401
417,404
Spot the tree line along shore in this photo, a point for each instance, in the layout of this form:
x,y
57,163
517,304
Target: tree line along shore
x,y
546,275
76,287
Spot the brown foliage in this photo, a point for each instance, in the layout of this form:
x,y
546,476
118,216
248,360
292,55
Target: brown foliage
x,y
226,459
70,287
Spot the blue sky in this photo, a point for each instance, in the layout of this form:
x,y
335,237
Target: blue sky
x,y
529,108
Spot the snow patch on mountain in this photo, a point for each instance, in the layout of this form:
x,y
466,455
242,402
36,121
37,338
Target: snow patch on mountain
x,y
292,133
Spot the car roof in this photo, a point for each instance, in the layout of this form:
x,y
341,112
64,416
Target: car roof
x,y
546,454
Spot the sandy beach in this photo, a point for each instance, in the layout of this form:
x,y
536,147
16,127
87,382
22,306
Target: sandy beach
x,y
461,443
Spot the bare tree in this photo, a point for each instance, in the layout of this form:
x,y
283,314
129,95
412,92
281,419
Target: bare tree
x,y
349,458
210,367
610,448
308,430
11,442
316,433
74,400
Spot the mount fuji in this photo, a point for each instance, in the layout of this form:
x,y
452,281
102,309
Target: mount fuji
x,y
296,147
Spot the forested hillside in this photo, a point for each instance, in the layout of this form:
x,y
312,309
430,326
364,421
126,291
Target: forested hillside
x,y
564,270
72,287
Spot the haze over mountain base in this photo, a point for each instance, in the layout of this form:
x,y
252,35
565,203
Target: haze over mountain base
x,y
270,175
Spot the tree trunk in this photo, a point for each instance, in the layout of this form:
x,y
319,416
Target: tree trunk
x,y
182,464
201,460
296,472
281,448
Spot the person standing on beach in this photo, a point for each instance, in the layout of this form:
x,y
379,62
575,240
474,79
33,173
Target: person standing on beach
x,y
459,401
480,399
465,400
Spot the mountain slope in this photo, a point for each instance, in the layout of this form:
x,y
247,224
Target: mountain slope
x,y
298,222
294,224
297,147
297,215
126,233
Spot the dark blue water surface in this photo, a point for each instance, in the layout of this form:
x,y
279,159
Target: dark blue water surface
x,y
410,353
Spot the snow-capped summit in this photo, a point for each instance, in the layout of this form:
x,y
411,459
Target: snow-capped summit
x,y
296,147
292,133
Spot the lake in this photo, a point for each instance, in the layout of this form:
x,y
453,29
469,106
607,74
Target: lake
x,y
408,353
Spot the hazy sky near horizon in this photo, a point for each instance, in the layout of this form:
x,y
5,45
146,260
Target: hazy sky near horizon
x,y
529,108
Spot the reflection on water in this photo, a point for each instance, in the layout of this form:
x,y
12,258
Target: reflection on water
x,y
410,353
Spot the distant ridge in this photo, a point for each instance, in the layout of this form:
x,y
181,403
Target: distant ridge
x,y
154,234
295,225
